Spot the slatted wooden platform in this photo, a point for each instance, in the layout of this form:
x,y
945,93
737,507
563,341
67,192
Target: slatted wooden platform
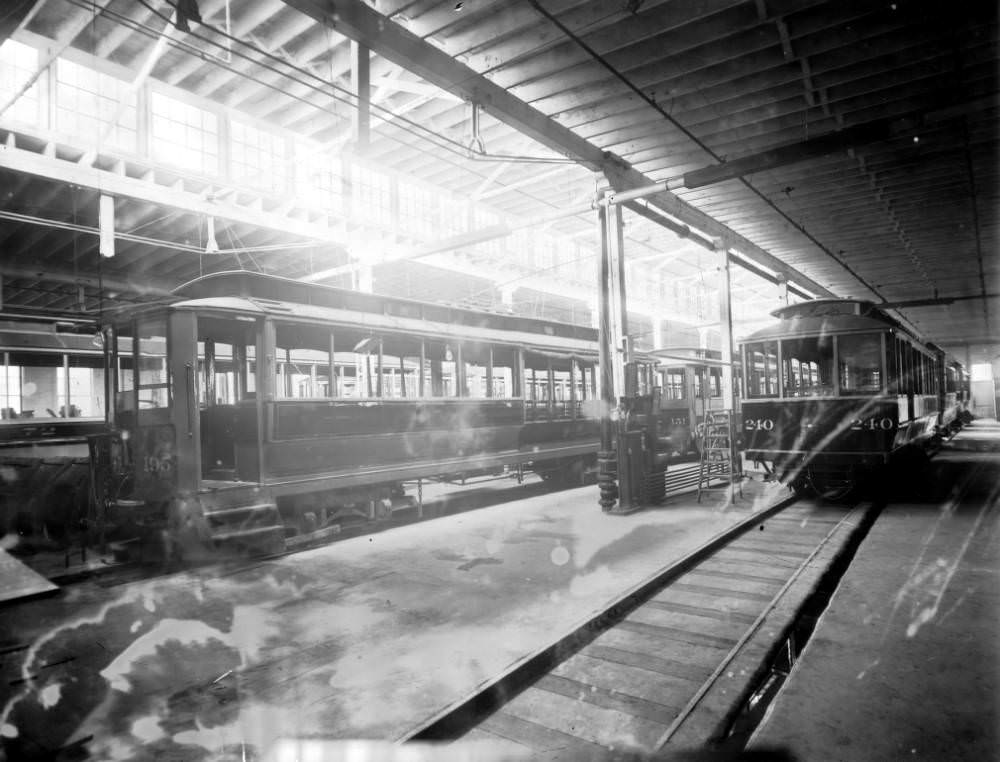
x,y
632,685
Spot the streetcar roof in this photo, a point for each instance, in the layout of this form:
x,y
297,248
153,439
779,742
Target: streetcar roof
x,y
298,294
825,325
538,342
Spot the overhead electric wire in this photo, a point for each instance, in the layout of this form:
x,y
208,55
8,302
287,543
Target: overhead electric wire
x,y
649,100
325,87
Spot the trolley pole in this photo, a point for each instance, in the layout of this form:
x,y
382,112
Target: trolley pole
x,y
728,388
606,458
726,325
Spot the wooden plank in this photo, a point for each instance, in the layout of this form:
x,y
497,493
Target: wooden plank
x,y
757,561
731,570
492,746
718,592
720,614
608,727
770,548
784,539
630,650
607,698
722,630
535,736
663,695
677,633
18,581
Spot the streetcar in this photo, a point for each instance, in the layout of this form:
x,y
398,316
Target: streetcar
x,y
254,409
835,390
53,397
691,383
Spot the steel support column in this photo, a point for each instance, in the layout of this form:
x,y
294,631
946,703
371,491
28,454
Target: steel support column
x,y
619,311
606,459
361,84
726,325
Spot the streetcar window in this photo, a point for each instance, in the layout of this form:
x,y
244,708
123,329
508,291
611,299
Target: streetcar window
x,y
35,385
151,355
714,382
673,384
125,391
859,359
807,366
301,361
227,361
505,373
10,392
400,367
762,369
537,390
561,381
440,369
476,359
86,387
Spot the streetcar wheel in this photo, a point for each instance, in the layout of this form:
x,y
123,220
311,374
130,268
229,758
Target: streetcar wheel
x,y
833,485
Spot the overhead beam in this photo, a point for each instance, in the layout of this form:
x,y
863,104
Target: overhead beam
x,y
935,302
63,171
359,22
141,286
16,15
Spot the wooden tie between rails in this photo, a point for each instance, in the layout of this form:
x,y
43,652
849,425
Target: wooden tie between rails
x,y
633,684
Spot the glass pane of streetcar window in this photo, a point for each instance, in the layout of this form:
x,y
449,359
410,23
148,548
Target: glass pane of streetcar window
x,y
439,369
10,392
39,384
476,359
536,384
124,396
673,384
86,387
808,366
763,369
154,382
715,376
302,361
561,387
400,367
860,363
504,373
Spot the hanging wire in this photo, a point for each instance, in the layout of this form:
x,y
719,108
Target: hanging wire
x,y
310,80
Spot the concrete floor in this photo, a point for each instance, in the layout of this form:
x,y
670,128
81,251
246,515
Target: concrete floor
x,y
905,661
365,638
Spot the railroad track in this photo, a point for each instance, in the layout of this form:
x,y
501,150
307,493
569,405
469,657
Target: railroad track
x,y
633,675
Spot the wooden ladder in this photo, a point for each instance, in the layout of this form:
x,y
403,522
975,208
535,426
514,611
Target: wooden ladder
x,y
719,458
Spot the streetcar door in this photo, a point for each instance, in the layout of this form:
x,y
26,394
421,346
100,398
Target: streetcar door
x,y
227,398
149,404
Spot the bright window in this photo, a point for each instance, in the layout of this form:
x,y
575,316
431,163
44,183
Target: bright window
x,y
807,366
319,179
184,136
371,196
87,102
762,368
257,158
859,358
982,371
417,211
18,62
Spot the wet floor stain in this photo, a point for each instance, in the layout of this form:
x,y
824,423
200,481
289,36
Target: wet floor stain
x,y
473,562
